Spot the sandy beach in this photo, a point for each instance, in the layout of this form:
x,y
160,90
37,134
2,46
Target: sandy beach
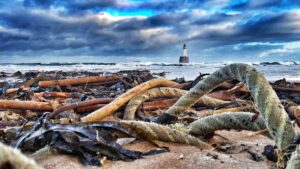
x,y
26,94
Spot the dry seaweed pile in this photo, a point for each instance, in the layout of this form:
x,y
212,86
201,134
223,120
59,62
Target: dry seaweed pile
x,y
49,108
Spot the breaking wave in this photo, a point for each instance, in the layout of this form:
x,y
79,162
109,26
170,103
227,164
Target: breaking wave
x,y
272,70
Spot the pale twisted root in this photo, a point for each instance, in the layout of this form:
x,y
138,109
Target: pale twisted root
x,y
265,98
226,121
110,108
168,92
164,133
13,157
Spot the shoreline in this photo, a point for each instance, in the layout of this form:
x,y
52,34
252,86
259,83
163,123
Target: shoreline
x,y
188,72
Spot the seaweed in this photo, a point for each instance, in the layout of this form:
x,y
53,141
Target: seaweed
x,y
88,141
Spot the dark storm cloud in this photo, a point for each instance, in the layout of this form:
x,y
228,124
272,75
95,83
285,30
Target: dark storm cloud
x,y
160,20
266,4
215,18
45,30
272,28
52,30
282,27
257,4
68,28
71,5
83,6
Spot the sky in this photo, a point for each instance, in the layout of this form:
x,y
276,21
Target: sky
x,y
144,30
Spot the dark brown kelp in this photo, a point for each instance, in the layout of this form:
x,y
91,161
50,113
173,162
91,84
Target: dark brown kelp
x,y
88,141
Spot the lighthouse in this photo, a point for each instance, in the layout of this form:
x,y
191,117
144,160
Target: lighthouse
x,y
184,58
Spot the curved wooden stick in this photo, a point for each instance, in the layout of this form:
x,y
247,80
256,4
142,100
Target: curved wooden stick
x,y
168,92
89,108
158,104
79,105
78,81
59,94
25,105
153,105
124,98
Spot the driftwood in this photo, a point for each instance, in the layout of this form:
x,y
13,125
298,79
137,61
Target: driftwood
x,y
286,89
153,105
11,90
25,105
80,104
79,81
159,104
239,88
222,95
226,85
107,110
89,108
148,106
293,111
59,94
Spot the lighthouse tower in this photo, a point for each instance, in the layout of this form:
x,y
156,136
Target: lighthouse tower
x,y
184,58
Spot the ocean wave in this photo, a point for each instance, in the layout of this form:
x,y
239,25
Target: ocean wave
x,y
288,69
286,63
216,64
56,64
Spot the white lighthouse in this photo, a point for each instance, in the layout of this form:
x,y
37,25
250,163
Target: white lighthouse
x,y
184,58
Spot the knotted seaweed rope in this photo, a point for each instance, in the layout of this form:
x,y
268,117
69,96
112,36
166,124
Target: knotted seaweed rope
x,y
294,161
165,92
265,99
201,127
226,121
159,132
13,158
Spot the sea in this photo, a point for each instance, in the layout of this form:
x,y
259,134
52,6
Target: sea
x,y
290,70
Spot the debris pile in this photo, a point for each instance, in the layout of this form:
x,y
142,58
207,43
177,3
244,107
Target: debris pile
x,y
88,115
